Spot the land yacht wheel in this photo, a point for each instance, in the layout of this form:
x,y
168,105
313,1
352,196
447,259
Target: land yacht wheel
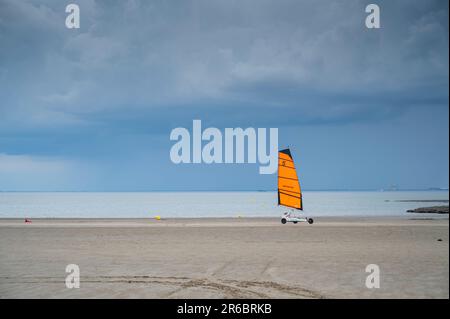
x,y
283,220
310,220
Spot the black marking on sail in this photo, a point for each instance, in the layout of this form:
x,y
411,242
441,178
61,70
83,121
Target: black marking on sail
x,y
287,152
283,159
285,190
290,195
292,179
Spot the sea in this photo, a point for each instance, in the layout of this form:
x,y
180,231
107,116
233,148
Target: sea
x,y
212,204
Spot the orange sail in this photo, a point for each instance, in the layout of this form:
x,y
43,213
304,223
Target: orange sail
x,y
289,192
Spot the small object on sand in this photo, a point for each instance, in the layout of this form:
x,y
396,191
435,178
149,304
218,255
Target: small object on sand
x,y
440,239
27,220
158,217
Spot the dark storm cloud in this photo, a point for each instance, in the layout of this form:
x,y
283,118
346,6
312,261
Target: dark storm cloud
x,y
145,67
134,56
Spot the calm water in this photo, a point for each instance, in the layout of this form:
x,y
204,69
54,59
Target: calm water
x,y
208,204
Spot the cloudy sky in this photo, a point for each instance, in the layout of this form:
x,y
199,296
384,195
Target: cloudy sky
x,y
91,109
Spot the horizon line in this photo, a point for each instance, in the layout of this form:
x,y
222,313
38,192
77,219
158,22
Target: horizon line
x,y
229,190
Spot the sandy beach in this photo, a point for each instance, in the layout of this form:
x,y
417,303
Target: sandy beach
x,y
225,258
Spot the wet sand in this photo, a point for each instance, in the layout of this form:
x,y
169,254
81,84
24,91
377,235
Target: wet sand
x,y
225,258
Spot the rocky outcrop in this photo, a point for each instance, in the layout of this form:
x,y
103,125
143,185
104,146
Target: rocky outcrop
x,y
430,210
